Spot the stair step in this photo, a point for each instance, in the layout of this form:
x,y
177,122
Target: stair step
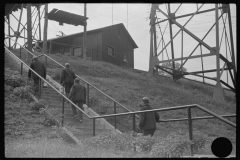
x,y
79,135
85,118
81,126
85,121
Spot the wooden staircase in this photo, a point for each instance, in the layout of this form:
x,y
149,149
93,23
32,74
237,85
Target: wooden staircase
x,y
54,100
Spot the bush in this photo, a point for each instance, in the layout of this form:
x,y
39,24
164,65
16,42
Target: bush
x,y
13,78
176,144
8,89
23,92
39,106
144,143
173,146
52,116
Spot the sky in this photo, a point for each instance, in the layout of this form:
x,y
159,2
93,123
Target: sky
x,y
135,17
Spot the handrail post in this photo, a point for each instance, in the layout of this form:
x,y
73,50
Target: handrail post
x,y
190,129
21,58
39,87
93,126
134,123
115,118
63,99
87,94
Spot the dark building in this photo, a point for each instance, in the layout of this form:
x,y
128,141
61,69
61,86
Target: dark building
x,y
111,44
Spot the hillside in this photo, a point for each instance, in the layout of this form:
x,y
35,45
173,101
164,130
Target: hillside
x,y
128,88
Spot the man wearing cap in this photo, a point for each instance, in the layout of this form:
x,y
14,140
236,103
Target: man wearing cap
x,y
147,122
40,69
78,96
67,78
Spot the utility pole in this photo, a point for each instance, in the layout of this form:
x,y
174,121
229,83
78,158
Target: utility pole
x,y
18,27
45,33
29,31
84,33
39,22
171,38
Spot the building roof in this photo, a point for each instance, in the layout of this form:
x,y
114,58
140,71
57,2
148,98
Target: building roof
x,y
100,29
66,17
12,7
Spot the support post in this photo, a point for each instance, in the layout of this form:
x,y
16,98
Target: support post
x,y
50,50
21,59
84,33
218,91
9,40
63,101
45,33
88,95
94,126
202,63
115,118
171,37
231,40
29,31
18,27
39,22
134,123
190,129
40,87
150,70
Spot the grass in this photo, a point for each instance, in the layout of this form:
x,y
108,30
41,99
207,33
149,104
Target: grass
x,y
128,88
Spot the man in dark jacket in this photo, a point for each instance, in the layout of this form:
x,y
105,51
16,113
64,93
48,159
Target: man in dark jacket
x,y
67,78
78,96
147,121
40,69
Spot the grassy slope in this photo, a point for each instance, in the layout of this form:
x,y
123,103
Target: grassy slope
x,y
129,87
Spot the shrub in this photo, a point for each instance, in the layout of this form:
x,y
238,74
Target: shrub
x,y
23,92
176,144
13,78
52,116
144,143
38,105
8,89
173,146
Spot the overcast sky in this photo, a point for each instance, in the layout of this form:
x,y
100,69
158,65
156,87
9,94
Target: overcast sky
x,y
135,17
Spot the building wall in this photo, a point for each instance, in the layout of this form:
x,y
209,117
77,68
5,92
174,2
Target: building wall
x,y
93,44
116,38
97,44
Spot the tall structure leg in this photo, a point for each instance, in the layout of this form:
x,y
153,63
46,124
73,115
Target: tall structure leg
x,y
218,93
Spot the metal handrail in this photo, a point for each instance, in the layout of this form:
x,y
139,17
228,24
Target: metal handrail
x,y
174,108
215,115
48,83
145,111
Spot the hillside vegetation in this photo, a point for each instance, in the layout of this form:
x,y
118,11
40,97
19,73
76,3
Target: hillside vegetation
x,y
128,87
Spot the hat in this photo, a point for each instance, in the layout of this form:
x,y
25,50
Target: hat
x,y
67,65
145,100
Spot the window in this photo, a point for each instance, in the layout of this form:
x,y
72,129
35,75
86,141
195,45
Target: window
x,y
110,51
77,52
125,58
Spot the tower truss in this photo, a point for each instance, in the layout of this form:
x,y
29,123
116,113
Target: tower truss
x,y
198,38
